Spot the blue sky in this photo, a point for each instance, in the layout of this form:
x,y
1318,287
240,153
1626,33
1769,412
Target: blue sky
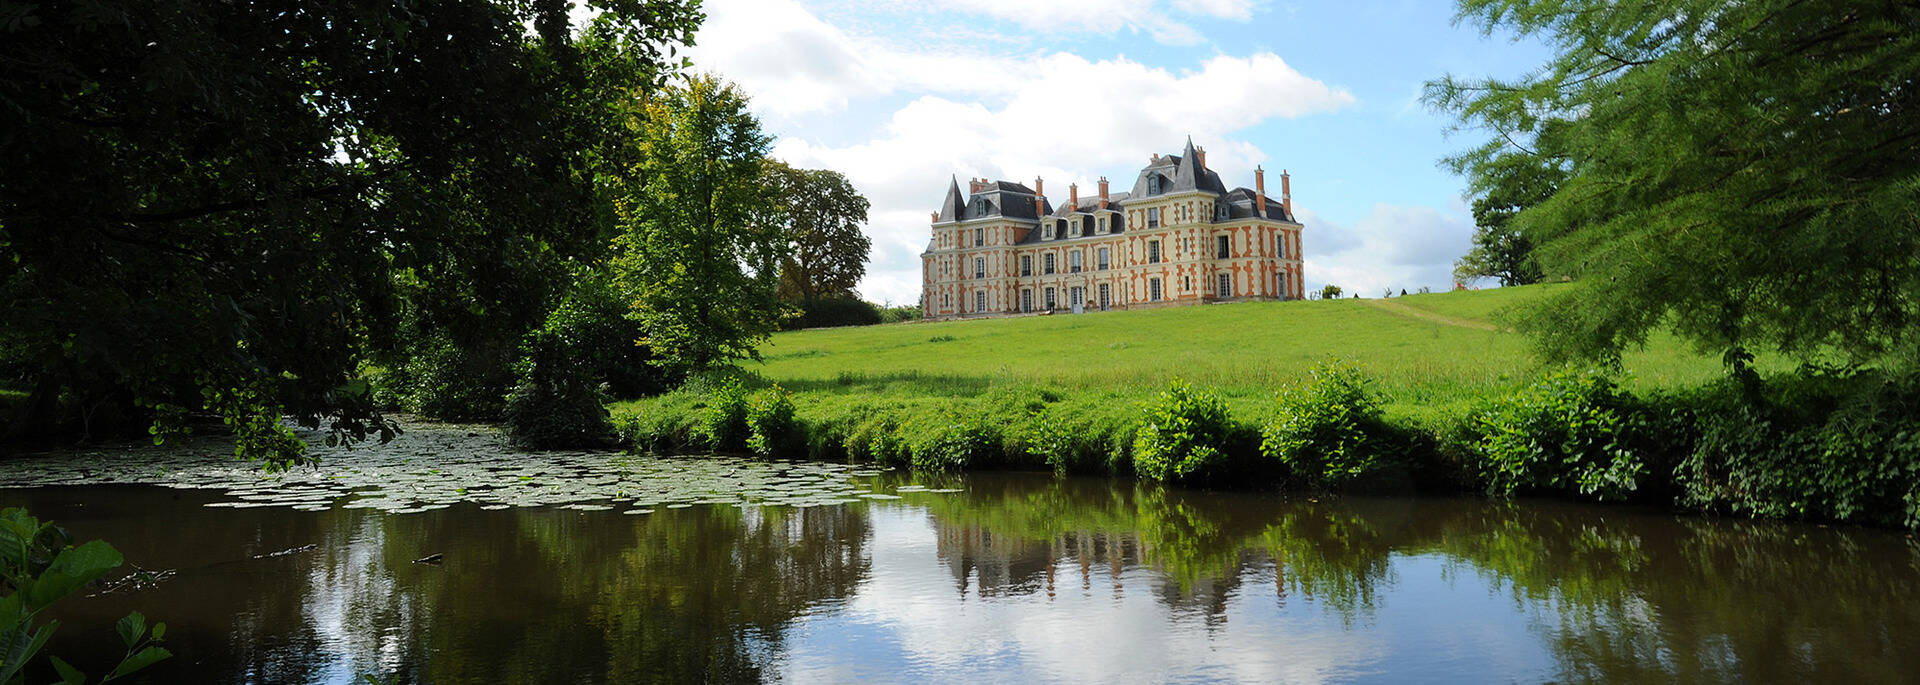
x,y
901,95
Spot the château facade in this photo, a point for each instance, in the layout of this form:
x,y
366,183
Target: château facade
x,y
1179,237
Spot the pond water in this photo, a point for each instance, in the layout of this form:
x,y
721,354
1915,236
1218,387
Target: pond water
x,y
585,568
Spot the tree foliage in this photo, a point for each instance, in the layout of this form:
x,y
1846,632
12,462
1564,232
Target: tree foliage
x,y
1746,173
827,251
1499,251
701,242
207,206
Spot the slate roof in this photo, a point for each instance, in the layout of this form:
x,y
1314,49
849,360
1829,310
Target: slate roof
x,y
997,198
1175,173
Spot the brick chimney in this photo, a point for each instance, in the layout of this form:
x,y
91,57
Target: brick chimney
x,y
975,185
1073,196
1260,192
1286,193
936,217
1039,197
1103,192
1200,155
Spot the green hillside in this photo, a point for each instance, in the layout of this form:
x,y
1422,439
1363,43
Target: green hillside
x,y
1426,352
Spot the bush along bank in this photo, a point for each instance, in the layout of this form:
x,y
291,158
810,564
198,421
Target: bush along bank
x,y
1821,444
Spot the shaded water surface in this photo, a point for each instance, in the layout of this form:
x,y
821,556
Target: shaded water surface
x,y
1015,576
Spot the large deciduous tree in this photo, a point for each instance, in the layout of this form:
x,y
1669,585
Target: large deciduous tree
x,y
206,206
826,250
1747,173
701,240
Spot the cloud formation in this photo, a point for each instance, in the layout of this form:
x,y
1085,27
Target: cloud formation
x,y
1055,115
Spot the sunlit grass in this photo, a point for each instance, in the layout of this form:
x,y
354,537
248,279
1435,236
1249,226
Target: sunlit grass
x,y
1243,351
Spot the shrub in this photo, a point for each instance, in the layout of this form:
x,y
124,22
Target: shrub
x,y
1832,444
442,380
834,311
558,401
1328,432
1572,432
772,429
1181,436
723,422
1085,437
558,416
955,443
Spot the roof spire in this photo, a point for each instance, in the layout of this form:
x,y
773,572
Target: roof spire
x,y
950,208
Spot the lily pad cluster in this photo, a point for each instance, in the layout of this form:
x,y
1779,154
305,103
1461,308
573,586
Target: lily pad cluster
x,y
434,466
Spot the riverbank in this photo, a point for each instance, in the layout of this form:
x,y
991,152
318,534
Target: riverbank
x,y
1434,397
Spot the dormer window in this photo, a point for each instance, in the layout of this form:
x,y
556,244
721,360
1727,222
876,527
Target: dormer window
x,y
1075,230
1153,184
1047,230
1102,230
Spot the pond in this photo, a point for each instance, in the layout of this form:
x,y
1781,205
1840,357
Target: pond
x,y
601,567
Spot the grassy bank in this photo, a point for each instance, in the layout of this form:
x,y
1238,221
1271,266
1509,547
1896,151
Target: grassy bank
x,y
1432,393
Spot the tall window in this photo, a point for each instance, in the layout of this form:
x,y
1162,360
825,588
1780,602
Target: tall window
x,y
1280,244
1153,217
1073,262
1026,265
1076,296
1282,286
1050,299
979,300
1046,262
1153,290
1153,252
1224,247
1153,184
1105,258
1226,285
979,267
979,237
1026,299
1106,296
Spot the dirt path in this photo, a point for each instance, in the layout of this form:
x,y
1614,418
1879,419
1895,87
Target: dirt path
x,y
1409,312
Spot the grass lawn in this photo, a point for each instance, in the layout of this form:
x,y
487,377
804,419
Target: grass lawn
x,y
1428,354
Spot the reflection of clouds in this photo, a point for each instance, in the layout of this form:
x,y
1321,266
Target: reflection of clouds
x,y
353,606
906,623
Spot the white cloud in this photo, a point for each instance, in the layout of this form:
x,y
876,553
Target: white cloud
x,y
1390,247
1056,115
1237,10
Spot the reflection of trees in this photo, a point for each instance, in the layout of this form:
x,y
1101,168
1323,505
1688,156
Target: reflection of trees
x,y
538,595
524,595
701,594
1617,594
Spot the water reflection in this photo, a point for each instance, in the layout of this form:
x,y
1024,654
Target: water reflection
x,y
1017,577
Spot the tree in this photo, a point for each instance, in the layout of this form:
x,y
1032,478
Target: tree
x,y
701,240
207,206
1513,183
1330,292
1746,173
827,251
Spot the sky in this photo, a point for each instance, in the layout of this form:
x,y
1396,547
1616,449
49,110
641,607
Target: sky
x,y
903,95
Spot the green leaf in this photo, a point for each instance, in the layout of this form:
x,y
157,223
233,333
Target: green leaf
x,y
70,571
17,647
159,631
142,659
68,674
131,628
